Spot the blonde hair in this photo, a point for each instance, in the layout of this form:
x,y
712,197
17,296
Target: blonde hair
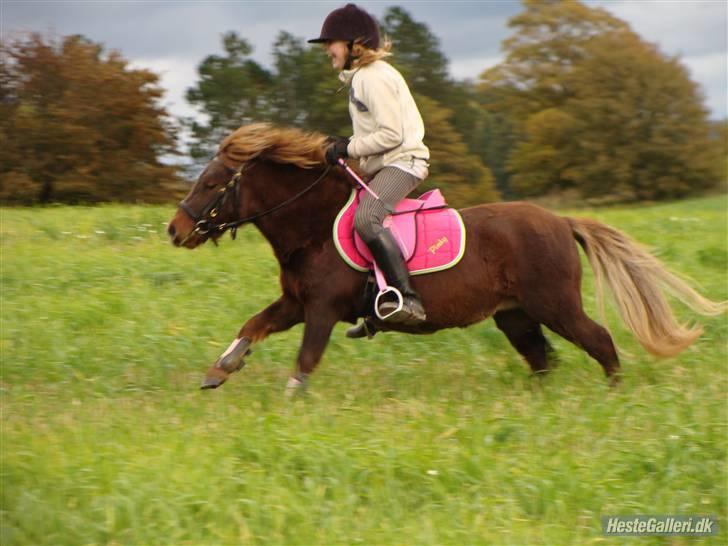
x,y
363,55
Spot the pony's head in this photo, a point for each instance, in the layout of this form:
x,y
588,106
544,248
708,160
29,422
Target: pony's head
x,y
228,189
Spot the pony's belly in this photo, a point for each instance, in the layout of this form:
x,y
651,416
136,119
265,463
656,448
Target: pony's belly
x,y
507,305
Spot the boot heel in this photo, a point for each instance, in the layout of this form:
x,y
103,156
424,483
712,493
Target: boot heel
x,y
409,312
364,329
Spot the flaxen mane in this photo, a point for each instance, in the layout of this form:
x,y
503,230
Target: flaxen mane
x,y
279,144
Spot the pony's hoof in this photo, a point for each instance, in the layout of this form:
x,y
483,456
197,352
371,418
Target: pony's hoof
x,y
296,386
214,378
211,383
614,380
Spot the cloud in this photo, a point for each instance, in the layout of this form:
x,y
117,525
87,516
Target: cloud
x,y
711,73
472,68
690,28
176,75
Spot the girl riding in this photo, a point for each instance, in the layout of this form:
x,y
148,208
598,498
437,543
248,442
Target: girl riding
x,y
387,140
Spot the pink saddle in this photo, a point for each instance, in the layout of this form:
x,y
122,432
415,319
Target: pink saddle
x,y
430,234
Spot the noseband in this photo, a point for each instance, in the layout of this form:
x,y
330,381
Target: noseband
x,y
205,223
205,220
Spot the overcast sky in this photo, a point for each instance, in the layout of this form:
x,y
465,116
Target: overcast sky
x,y
172,37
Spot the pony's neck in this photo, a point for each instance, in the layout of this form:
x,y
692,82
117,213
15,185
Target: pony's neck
x,y
305,223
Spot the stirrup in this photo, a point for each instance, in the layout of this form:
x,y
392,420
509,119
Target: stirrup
x,y
400,302
407,311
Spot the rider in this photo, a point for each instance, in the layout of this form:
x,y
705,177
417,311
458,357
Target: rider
x,y
387,140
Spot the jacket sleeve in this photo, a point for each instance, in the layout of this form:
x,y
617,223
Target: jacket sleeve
x,y
381,97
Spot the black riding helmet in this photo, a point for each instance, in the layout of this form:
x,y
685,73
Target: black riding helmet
x,y
350,24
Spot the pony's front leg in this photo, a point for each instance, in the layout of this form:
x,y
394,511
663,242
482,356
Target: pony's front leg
x,y
319,322
281,315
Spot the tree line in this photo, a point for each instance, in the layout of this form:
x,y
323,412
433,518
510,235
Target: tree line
x,y
78,126
581,105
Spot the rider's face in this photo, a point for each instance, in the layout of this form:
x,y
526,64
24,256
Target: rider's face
x,y
338,51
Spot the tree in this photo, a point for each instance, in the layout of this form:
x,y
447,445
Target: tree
x,y
719,133
79,126
306,92
542,162
417,55
459,174
597,109
642,131
549,40
492,138
232,90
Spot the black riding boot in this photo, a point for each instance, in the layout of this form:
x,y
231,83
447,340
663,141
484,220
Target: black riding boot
x,y
388,257
365,328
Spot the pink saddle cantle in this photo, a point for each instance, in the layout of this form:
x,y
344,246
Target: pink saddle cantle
x,y
431,235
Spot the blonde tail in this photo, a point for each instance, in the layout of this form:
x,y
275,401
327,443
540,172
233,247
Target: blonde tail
x,y
637,279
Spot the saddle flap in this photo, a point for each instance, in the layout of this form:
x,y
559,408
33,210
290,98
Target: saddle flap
x,y
430,235
404,229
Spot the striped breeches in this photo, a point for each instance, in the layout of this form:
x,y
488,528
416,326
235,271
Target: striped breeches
x,y
391,185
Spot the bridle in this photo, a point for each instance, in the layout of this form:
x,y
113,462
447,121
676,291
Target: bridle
x,y
205,221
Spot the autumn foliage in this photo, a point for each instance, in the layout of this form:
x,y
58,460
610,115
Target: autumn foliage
x,y
597,110
79,125
580,106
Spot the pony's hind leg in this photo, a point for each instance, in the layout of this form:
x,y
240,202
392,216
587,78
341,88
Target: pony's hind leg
x,y
575,326
526,336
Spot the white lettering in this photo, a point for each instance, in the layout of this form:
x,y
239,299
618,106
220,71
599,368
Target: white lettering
x,y
659,525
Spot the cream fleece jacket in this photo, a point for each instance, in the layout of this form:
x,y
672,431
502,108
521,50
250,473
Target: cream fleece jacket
x,y
388,128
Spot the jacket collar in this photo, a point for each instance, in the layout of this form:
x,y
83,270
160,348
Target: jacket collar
x,y
347,75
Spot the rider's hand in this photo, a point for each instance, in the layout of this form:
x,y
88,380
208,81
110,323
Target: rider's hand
x,y
336,150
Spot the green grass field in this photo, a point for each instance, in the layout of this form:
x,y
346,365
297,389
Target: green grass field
x,y
446,439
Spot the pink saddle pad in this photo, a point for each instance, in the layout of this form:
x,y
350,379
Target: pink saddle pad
x,y
430,234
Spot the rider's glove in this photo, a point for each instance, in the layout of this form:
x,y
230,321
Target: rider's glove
x,y
337,149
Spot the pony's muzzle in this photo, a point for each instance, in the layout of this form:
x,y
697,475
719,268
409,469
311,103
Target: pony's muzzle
x,y
181,231
173,237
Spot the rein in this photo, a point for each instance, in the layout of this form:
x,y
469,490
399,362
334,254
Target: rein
x,y
205,221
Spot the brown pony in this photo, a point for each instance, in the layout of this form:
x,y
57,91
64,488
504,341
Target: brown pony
x,y
521,263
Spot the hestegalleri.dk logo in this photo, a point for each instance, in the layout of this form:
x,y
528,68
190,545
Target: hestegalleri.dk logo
x,y
659,525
